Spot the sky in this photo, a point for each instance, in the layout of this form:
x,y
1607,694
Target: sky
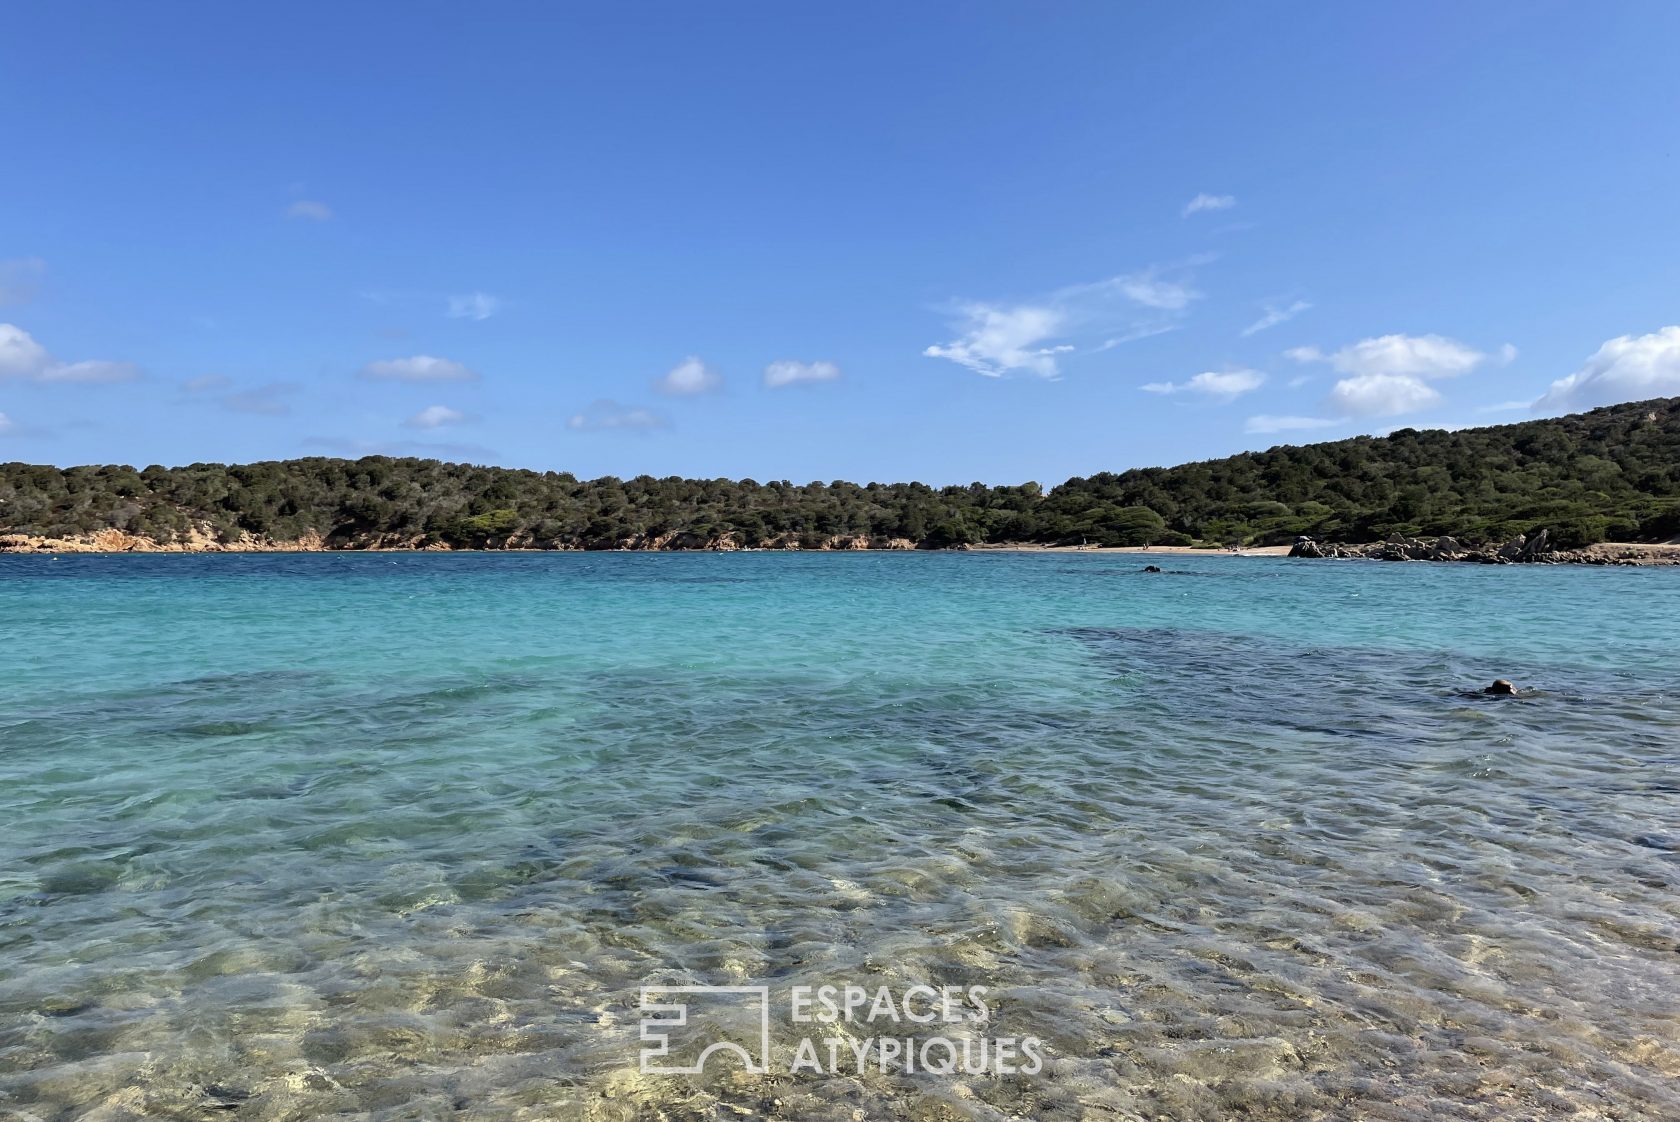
x,y
868,241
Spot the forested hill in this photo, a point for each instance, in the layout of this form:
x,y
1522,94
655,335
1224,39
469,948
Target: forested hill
x,y
1610,474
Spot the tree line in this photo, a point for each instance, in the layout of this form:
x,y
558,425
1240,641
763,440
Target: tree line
x,y
1611,474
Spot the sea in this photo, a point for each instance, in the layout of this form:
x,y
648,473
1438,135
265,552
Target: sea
x,y
433,836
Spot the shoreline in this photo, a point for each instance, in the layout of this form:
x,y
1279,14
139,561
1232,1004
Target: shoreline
x,y
115,543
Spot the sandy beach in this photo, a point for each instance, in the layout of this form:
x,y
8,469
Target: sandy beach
x,y
1247,551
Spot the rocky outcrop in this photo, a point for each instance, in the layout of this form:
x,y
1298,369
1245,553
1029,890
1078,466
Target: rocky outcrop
x,y
197,540
202,540
1520,550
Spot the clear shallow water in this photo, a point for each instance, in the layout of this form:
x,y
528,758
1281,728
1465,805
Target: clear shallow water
x,y
401,836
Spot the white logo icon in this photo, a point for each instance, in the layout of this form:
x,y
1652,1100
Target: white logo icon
x,y
740,1014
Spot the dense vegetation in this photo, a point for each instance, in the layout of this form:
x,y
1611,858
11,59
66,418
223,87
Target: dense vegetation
x,y
1610,474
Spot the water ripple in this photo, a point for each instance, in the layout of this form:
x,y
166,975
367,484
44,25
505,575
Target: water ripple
x,y
403,836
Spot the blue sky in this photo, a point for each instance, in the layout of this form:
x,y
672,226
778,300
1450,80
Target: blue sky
x,y
950,242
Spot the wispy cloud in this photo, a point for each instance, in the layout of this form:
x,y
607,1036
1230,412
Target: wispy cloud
x,y
1220,385
345,446
1268,423
206,383
261,401
998,339
1205,201
311,210
21,357
93,372
787,373
435,416
1626,368
1275,315
1133,336
1149,290
688,378
20,279
418,368
474,306
7,425
607,415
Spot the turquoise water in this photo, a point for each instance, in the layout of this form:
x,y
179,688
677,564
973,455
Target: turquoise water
x,y
400,836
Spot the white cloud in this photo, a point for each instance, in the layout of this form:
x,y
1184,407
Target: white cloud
x,y
6,424
22,357
474,305
1390,373
435,416
1381,395
998,339
311,209
1627,368
689,377
19,279
1275,315
419,368
206,382
1267,423
1223,386
1205,201
1418,356
779,374
606,415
